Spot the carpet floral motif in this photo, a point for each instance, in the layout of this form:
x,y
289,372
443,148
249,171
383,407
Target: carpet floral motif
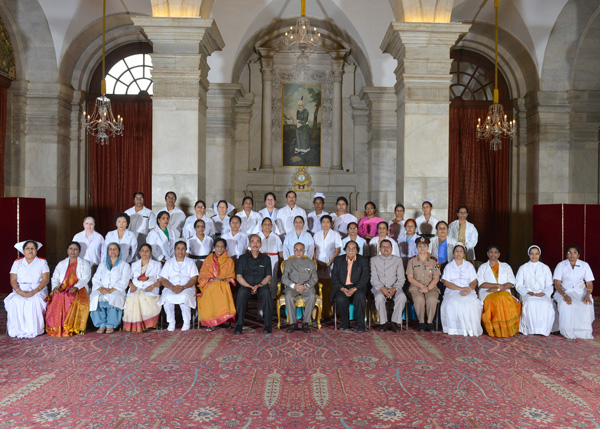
x,y
327,379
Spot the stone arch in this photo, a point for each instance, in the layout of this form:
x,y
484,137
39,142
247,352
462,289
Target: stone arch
x,y
84,53
514,60
584,74
35,57
330,32
562,49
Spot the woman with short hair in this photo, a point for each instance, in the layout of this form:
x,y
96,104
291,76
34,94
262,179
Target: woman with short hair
x,y
573,281
461,310
25,305
141,310
69,302
126,239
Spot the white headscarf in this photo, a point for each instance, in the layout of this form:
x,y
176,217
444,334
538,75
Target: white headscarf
x,y
19,246
531,272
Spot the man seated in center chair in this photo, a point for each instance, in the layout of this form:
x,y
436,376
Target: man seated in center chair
x,y
349,280
299,278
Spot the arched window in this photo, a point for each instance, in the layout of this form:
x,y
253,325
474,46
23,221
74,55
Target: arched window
x,y
473,78
130,76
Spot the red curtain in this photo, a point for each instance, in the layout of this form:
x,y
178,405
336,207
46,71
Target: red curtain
x,y
122,167
3,115
479,179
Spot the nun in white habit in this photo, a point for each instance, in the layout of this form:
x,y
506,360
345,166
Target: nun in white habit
x,y
573,283
534,284
26,305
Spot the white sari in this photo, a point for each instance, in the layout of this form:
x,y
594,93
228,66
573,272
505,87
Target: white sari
x,y
538,314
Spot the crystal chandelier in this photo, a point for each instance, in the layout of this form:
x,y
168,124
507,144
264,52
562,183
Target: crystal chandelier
x,y
496,124
303,35
102,124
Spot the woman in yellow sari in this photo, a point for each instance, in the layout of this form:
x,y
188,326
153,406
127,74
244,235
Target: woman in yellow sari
x,y
501,311
215,301
69,303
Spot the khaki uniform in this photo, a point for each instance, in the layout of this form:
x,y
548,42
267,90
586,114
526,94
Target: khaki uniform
x,y
423,272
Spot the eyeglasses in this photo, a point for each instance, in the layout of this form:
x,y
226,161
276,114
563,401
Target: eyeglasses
x,y
170,198
441,229
29,248
200,207
139,198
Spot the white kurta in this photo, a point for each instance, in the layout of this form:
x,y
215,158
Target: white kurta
x,y
374,247
286,216
188,227
179,273
461,315
271,247
221,225
292,238
340,223
273,216
162,247
250,223
363,246
325,247
152,272
199,248
396,229
408,249
426,227
538,313
140,222
25,316
91,247
128,245
118,277
83,272
314,222
471,237
176,219
237,244
575,320
485,275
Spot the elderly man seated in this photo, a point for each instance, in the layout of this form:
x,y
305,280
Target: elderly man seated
x,y
387,279
349,280
253,274
299,278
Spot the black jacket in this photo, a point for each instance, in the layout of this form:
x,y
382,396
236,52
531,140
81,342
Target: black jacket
x,y
359,275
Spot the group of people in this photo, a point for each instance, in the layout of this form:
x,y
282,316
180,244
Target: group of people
x,y
159,261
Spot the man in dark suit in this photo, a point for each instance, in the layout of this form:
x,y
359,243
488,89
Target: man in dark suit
x,y
349,280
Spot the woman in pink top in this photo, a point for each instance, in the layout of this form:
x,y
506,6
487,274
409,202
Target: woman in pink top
x,y
367,226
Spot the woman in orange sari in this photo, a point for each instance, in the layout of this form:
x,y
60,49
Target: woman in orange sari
x,y
69,302
215,301
501,310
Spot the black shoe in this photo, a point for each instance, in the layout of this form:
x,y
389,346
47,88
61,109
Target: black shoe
x,y
238,331
383,328
430,327
422,327
396,327
267,331
291,328
306,329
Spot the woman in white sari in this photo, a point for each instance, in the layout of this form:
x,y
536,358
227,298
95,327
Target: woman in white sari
x,y
461,310
534,284
341,218
573,283
26,305
141,306
162,238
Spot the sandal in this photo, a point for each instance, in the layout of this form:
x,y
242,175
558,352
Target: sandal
x,y
210,329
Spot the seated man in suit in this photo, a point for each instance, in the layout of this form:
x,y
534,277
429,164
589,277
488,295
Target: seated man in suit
x,y
387,280
253,274
299,278
349,280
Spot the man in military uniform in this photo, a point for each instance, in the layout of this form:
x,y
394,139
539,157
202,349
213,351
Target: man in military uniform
x,y
299,278
423,274
387,279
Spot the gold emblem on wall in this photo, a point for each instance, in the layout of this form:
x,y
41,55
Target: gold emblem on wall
x,y
301,180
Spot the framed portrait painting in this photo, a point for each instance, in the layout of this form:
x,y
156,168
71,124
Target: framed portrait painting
x,y
302,118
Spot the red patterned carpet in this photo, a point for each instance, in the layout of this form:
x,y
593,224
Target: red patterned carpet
x,y
324,379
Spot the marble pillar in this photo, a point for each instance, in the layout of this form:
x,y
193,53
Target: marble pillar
x,y
267,107
423,78
337,71
179,150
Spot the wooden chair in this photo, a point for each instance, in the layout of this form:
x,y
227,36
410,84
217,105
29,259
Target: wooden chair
x,y
299,300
